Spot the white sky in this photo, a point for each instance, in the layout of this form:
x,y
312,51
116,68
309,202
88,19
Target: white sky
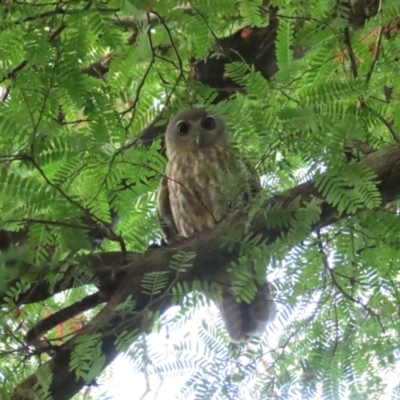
x,y
126,384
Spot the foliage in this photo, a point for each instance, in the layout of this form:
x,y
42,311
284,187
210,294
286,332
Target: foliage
x,y
71,148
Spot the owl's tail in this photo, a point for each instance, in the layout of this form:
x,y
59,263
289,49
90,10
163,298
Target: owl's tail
x,y
243,320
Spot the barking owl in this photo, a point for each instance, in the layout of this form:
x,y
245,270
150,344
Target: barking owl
x,y
204,180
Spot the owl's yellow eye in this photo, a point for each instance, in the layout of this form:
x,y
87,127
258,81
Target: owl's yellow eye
x,y
183,128
208,123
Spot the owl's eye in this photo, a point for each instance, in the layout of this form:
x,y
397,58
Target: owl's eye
x,y
208,123
183,128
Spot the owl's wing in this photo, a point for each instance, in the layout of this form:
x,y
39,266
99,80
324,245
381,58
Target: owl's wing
x,y
245,172
243,320
165,216
254,180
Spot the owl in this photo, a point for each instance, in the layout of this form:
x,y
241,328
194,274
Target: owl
x,y
204,181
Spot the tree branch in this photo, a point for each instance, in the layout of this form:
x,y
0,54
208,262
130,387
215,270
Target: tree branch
x,y
210,261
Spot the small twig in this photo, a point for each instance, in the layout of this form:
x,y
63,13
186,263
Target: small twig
x,y
142,82
376,57
57,31
352,57
61,11
387,124
342,291
13,72
207,25
57,188
167,30
148,389
47,222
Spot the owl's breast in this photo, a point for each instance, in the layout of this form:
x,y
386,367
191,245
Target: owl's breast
x,y
194,184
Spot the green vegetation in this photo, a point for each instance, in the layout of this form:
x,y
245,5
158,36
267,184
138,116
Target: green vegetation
x,y
308,89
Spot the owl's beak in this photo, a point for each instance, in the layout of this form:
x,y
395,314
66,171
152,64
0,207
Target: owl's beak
x,y
198,137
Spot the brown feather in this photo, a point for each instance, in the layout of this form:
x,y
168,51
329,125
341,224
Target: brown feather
x,y
205,179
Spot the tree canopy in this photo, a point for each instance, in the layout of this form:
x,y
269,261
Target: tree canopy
x,y
310,92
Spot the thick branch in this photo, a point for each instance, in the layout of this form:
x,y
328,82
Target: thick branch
x,y
211,260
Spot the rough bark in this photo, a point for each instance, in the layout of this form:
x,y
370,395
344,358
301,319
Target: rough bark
x,y
210,262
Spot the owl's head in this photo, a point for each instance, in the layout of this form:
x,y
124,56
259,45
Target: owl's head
x,y
193,129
